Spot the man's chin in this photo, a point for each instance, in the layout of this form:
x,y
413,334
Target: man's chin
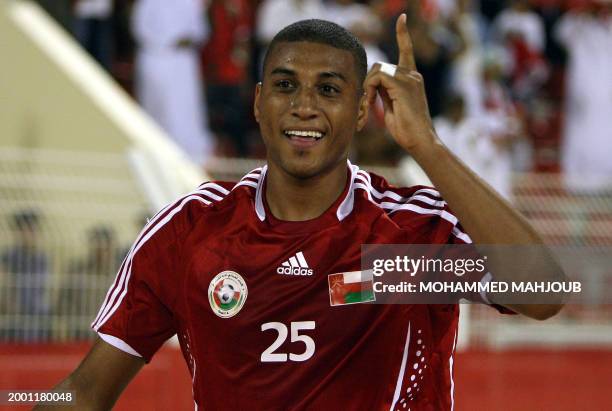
x,y
302,171
301,168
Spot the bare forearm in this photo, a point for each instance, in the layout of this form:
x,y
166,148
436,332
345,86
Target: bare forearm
x,y
483,213
489,219
83,399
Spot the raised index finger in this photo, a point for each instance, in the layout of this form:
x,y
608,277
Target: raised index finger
x,y
404,43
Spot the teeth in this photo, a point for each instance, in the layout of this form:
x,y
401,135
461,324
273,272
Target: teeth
x,y
299,133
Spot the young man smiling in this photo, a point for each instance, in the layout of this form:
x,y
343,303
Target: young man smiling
x,y
239,271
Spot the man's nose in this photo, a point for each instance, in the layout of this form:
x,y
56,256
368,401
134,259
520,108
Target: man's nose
x,y
304,104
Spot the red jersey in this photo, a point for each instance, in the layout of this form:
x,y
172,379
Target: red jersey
x,y
248,297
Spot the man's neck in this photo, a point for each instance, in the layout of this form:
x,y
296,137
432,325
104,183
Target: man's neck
x,y
294,199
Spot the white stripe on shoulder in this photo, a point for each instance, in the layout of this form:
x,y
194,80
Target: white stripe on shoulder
x,y
417,195
378,194
251,179
214,186
255,173
406,200
428,191
118,290
254,176
246,183
427,200
210,195
204,190
405,203
392,207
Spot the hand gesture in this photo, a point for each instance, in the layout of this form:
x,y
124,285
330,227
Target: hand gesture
x,y
402,91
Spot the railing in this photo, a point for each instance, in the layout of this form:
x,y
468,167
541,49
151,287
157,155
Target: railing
x,y
90,206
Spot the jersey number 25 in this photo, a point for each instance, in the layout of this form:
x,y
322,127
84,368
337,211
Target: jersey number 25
x,y
270,356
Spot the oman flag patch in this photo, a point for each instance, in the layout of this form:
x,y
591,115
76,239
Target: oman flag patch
x,y
351,288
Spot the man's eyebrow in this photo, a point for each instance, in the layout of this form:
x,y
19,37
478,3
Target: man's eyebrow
x,y
333,74
282,71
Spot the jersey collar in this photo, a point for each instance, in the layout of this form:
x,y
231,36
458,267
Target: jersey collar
x,y
338,211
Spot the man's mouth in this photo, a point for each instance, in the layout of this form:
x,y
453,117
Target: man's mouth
x,y
303,138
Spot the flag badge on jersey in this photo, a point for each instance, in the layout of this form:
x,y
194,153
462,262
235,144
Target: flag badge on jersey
x,y
351,288
227,293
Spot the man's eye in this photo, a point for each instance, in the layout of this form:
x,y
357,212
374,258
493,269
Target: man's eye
x,y
284,84
329,90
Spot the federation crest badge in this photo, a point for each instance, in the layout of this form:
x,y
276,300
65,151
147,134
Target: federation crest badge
x,y
227,293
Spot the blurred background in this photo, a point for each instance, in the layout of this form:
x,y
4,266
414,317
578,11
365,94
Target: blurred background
x,y
111,109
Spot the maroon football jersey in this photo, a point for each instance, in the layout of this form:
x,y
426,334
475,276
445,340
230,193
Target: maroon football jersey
x,y
249,298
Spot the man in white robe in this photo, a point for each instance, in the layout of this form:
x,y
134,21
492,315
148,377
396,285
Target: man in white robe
x,y
273,15
471,138
168,78
586,152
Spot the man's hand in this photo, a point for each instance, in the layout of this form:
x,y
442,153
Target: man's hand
x,y
487,218
403,95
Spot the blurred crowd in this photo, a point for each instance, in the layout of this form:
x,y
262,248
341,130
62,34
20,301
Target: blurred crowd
x,y
513,85
35,304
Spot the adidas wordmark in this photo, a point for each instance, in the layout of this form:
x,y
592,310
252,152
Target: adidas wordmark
x,y
296,265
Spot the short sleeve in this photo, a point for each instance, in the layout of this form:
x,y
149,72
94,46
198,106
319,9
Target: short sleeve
x,y
429,220
137,313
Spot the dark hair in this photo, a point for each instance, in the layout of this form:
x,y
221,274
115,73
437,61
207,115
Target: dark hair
x,y
26,219
101,233
323,32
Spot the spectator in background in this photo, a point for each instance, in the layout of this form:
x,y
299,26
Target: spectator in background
x,y
435,46
521,31
586,151
169,35
470,138
88,279
518,21
273,15
503,121
466,75
374,146
226,60
93,29
25,266
362,21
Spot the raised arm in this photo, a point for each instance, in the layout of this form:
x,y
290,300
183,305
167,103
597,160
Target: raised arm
x,y
99,380
487,217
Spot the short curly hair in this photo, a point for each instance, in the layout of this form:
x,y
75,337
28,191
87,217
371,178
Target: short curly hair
x,y
323,32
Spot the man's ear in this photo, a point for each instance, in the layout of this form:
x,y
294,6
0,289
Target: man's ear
x,y
256,102
362,115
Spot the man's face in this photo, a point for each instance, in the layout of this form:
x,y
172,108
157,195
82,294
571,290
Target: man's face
x,y
309,106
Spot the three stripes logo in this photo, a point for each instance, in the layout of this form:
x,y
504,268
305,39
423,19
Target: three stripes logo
x,y
296,265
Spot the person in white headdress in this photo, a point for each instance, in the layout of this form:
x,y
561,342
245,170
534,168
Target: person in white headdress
x,y
168,79
273,15
586,152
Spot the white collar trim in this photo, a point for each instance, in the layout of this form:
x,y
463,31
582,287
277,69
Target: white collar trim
x,y
344,209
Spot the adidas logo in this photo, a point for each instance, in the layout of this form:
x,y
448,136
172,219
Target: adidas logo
x,y
296,265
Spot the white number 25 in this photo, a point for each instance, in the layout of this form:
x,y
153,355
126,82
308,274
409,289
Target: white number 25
x,y
270,356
